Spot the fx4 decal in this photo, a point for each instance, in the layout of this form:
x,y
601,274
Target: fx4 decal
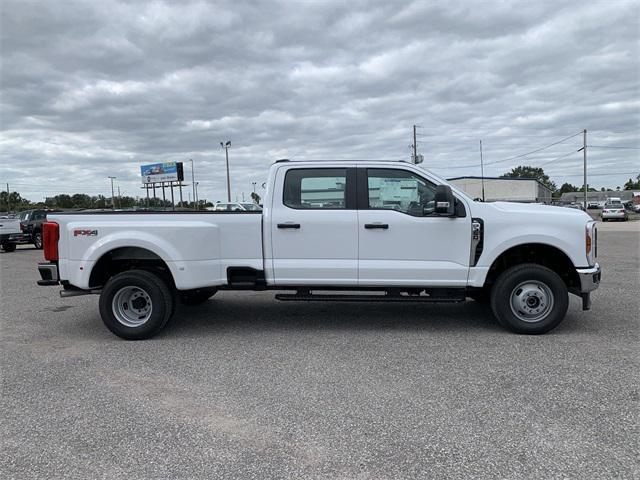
x,y
86,233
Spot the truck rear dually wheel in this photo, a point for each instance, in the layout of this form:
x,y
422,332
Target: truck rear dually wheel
x,y
136,304
530,299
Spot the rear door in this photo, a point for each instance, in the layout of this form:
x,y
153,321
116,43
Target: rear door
x,y
401,241
314,227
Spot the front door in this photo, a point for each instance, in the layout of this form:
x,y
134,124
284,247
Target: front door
x,y
401,241
314,227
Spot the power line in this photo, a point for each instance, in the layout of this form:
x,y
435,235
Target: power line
x,y
557,158
613,146
515,156
596,174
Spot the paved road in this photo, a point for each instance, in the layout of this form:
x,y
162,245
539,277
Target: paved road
x,y
246,387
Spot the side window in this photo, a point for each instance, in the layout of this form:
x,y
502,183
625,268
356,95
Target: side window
x,y
315,188
400,190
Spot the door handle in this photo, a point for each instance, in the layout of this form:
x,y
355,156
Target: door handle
x,y
381,226
289,225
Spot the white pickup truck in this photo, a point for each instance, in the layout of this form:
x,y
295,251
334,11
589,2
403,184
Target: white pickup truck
x,y
332,231
10,233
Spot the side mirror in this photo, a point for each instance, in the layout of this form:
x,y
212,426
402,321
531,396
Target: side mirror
x,y
445,201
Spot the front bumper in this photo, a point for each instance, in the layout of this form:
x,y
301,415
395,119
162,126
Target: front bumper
x,y
589,278
48,273
589,281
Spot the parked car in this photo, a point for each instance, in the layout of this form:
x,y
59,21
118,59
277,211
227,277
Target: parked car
x,y
10,233
31,224
362,231
573,205
614,211
235,207
593,205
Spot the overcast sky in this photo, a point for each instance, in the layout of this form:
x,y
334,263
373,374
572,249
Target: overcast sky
x,y
96,88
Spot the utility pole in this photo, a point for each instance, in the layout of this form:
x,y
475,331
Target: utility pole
x,y
113,195
254,186
226,153
584,156
119,197
415,145
193,182
196,197
8,201
481,170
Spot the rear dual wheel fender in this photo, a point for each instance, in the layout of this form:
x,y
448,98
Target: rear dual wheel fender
x,y
136,304
529,299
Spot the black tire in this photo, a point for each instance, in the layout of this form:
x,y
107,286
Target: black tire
x,y
37,240
9,247
516,285
197,297
117,311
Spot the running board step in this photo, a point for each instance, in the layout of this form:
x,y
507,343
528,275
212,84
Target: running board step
x,y
297,297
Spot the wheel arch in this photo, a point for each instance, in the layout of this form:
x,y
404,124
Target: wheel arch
x,y
543,254
121,259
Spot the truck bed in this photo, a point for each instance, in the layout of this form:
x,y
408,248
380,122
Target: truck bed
x,y
198,247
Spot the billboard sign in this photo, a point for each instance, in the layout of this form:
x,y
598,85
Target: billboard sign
x,y
162,172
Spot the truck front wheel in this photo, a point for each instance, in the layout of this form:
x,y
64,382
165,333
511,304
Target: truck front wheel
x,y
530,299
136,304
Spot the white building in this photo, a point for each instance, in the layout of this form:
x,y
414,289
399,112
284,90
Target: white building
x,y
528,190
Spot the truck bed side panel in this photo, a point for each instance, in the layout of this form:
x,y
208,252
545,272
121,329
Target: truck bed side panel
x,y
198,249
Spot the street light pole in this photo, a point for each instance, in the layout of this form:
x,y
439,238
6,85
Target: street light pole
x,y
226,153
113,205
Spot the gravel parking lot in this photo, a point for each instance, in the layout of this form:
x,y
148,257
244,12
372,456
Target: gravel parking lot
x,y
247,387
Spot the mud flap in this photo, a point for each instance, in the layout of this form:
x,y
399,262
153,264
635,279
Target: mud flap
x,y
586,301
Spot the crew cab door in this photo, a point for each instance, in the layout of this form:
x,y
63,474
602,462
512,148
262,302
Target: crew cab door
x,y
401,240
314,227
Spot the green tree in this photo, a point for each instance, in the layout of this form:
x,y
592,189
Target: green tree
x,y
526,171
255,197
566,188
13,201
631,185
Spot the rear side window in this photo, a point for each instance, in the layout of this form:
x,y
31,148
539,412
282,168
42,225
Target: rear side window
x,y
315,188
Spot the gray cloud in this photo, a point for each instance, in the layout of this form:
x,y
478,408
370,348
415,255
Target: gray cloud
x,y
91,89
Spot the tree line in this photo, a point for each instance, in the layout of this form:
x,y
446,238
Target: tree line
x,y
13,201
525,171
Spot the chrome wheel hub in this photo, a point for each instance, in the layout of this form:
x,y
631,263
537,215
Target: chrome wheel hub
x,y
132,306
531,301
